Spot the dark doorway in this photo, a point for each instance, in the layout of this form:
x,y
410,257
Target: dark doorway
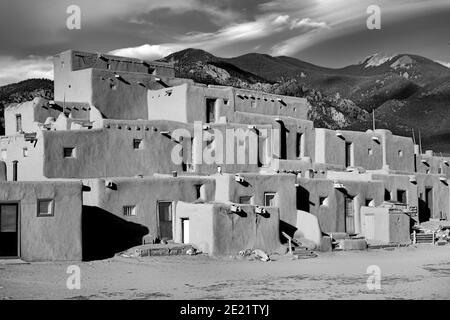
x,y
298,145
429,200
349,215
165,220
348,154
401,196
9,234
387,195
210,110
284,133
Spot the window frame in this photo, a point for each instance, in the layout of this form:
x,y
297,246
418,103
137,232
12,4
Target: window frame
x,y
73,153
133,210
51,206
265,198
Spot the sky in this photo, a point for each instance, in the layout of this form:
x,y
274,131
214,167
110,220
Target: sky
x,y
331,33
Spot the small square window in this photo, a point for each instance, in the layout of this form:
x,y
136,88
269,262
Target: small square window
x,y
45,208
198,191
322,201
225,102
129,211
269,199
138,144
25,152
245,200
69,152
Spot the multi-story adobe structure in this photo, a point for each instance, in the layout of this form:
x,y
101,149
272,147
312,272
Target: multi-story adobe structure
x,y
128,153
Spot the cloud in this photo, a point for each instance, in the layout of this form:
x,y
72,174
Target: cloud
x,y
308,24
147,51
445,64
263,27
15,70
308,36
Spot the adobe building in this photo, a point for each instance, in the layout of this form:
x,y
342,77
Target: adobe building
x,y
127,154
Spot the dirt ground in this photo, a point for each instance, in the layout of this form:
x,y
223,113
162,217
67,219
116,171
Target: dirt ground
x,y
416,272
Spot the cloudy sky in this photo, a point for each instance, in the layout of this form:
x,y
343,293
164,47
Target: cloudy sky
x,y
325,32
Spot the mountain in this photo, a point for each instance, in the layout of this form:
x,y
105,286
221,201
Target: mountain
x,y
23,91
406,91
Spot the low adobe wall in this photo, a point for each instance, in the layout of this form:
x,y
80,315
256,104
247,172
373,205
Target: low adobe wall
x,y
217,231
47,238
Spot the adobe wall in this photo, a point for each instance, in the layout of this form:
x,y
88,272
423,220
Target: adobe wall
x,y
441,194
110,152
256,185
433,164
217,231
53,238
398,152
331,214
32,112
366,152
144,193
29,167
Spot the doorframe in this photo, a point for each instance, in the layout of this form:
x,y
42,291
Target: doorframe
x,y
183,219
353,202
431,191
18,228
172,214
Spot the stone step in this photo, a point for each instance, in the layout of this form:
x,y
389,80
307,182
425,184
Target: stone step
x,y
148,250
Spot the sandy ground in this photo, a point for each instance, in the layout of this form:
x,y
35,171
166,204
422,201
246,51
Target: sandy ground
x,y
421,272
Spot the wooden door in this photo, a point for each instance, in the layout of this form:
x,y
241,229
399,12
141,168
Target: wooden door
x,y
165,220
349,216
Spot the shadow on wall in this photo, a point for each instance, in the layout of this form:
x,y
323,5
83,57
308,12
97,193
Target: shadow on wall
x,y
303,202
104,234
287,228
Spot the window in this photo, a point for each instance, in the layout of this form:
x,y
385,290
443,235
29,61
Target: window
x,y
18,123
198,189
348,154
439,170
25,152
370,151
225,102
69,152
253,104
210,110
400,153
4,154
138,144
401,196
269,199
45,208
322,201
245,200
62,64
129,211
298,144
387,195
